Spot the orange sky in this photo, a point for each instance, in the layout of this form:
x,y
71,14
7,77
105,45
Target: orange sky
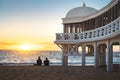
x,y
36,32
35,46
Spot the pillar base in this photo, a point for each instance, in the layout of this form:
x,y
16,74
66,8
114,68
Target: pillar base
x,y
65,61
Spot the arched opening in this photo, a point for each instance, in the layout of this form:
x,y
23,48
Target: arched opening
x,y
74,60
80,50
102,55
116,56
89,58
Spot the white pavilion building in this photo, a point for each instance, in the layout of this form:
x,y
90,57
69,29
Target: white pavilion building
x,y
98,30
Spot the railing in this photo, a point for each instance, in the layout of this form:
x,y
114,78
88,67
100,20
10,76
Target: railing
x,y
103,32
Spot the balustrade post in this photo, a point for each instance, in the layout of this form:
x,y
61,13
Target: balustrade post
x,y
79,36
100,32
105,30
92,36
71,36
108,29
83,35
116,26
95,33
111,28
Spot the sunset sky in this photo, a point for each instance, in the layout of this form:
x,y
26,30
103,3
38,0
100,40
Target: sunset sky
x,y
35,22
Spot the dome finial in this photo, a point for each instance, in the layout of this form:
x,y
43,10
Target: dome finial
x,y
84,5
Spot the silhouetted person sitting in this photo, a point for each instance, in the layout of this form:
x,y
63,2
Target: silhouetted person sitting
x,y
46,62
39,61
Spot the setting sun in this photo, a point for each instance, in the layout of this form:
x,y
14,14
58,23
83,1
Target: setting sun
x,y
25,47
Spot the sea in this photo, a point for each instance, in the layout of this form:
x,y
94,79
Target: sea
x,y
25,58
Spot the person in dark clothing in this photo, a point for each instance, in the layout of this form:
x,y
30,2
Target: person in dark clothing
x,y
39,61
46,62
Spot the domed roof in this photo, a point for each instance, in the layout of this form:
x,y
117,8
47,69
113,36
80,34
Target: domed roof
x,y
80,11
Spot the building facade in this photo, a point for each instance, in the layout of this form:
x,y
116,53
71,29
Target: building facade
x,y
97,30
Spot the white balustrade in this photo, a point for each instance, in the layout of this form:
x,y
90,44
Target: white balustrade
x,y
101,32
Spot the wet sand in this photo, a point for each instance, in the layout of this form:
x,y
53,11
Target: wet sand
x,y
57,73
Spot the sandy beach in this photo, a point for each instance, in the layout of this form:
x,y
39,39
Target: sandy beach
x,y
56,73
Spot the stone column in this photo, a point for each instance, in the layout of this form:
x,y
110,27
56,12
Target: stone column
x,y
109,57
65,61
96,55
64,57
83,55
76,49
88,50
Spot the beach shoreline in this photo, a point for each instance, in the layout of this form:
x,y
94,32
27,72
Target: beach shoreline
x,y
57,73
